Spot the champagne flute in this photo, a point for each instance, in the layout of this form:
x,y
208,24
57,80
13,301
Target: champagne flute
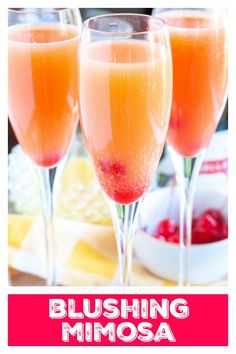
x,y
125,97
43,79
199,52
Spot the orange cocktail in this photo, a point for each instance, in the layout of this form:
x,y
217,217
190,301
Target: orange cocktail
x,y
43,89
199,79
125,101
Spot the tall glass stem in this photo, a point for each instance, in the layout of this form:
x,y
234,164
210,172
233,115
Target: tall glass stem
x,y
125,219
187,170
47,177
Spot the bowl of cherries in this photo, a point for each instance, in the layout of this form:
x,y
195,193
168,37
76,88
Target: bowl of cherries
x,y
157,238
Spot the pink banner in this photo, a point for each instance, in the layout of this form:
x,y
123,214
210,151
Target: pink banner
x,y
122,320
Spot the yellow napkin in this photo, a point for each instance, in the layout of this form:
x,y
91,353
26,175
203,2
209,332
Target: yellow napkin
x,y
86,252
86,246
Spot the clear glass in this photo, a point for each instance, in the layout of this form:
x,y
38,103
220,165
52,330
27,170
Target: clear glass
x,y
43,80
199,52
125,96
